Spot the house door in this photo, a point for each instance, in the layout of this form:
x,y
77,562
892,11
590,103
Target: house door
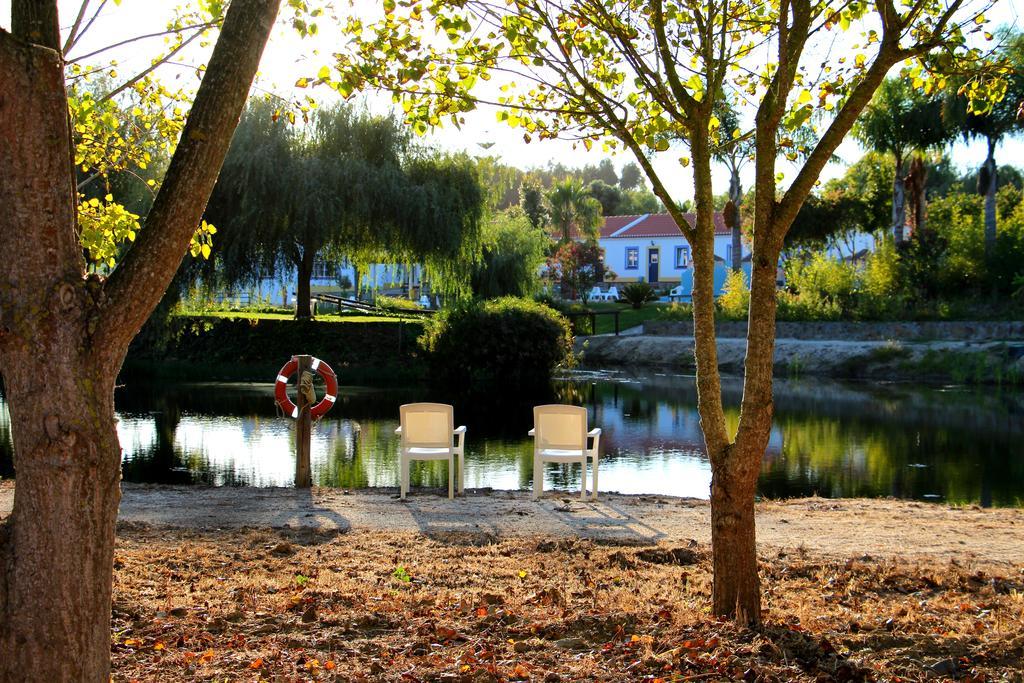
x,y
652,264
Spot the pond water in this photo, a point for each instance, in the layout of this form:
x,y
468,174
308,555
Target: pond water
x,y
950,444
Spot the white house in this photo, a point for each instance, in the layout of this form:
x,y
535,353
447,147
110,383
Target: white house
x,y
651,248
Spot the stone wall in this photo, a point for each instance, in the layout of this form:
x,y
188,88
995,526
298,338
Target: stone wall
x,y
859,331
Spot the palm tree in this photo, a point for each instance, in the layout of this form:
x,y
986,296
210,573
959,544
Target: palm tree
x,y
573,208
1001,121
900,121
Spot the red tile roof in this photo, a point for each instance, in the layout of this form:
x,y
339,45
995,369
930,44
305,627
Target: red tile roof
x,y
652,225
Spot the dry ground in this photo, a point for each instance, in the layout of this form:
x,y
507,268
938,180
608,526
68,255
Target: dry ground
x,y
495,587
401,606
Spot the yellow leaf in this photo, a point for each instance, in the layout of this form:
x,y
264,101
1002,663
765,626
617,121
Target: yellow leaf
x,y
805,96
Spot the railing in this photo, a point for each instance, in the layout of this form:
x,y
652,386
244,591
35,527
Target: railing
x,y
344,303
592,315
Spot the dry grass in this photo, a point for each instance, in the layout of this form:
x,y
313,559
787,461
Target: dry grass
x,y
398,606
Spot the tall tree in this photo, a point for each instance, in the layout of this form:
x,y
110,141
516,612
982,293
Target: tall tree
x,y
899,121
531,201
1003,120
574,211
647,76
64,334
631,177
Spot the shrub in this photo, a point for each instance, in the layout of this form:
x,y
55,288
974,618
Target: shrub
x,y
735,299
881,291
824,287
637,294
505,343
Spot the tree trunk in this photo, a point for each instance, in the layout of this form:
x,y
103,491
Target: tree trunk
x,y
63,336
899,204
303,309
736,591
55,596
990,201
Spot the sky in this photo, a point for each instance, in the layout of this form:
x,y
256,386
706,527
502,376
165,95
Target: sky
x,y
288,57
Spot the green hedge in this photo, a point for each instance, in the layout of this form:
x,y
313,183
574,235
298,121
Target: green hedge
x,y
503,344
207,347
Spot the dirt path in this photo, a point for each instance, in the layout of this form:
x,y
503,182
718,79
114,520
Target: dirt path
x,y
883,528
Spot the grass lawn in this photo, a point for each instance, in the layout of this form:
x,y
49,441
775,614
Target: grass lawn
x,y
628,316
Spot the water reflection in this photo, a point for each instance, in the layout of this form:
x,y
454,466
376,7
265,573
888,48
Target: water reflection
x,y
836,440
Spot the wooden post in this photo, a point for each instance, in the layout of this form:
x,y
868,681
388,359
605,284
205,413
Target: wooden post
x,y
303,431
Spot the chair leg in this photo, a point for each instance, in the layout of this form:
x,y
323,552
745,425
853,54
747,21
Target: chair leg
x,y
462,473
538,477
451,476
404,475
583,479
595,479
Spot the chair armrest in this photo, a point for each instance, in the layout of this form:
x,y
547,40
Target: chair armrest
x,y
532,432
460,437
398,431
594,434
596,431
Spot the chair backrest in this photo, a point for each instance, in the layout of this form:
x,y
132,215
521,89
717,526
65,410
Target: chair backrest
x,y
595,290
560,426
428,425
614,291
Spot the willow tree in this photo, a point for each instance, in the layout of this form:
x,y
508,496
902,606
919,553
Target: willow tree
x,y
647,76
349,183
901,120
64,333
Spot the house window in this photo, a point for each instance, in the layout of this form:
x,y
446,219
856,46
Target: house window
x,y
632,258
682,257
322,270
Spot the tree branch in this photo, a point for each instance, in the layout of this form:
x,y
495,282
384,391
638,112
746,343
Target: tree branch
x,y
73,33
137,285
148,70
200,27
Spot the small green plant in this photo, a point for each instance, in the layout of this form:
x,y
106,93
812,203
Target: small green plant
x,y
637,294
402,574
301,580
735,299
676,312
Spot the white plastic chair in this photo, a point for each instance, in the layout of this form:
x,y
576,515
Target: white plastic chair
x,y
596,294
675,293
612,294
427,434
424,301
560,435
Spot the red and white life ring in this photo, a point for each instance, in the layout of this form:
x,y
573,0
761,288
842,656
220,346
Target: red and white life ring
x,y
325,404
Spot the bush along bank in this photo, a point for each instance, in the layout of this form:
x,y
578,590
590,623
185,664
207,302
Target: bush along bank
x,y
510,344
222,348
